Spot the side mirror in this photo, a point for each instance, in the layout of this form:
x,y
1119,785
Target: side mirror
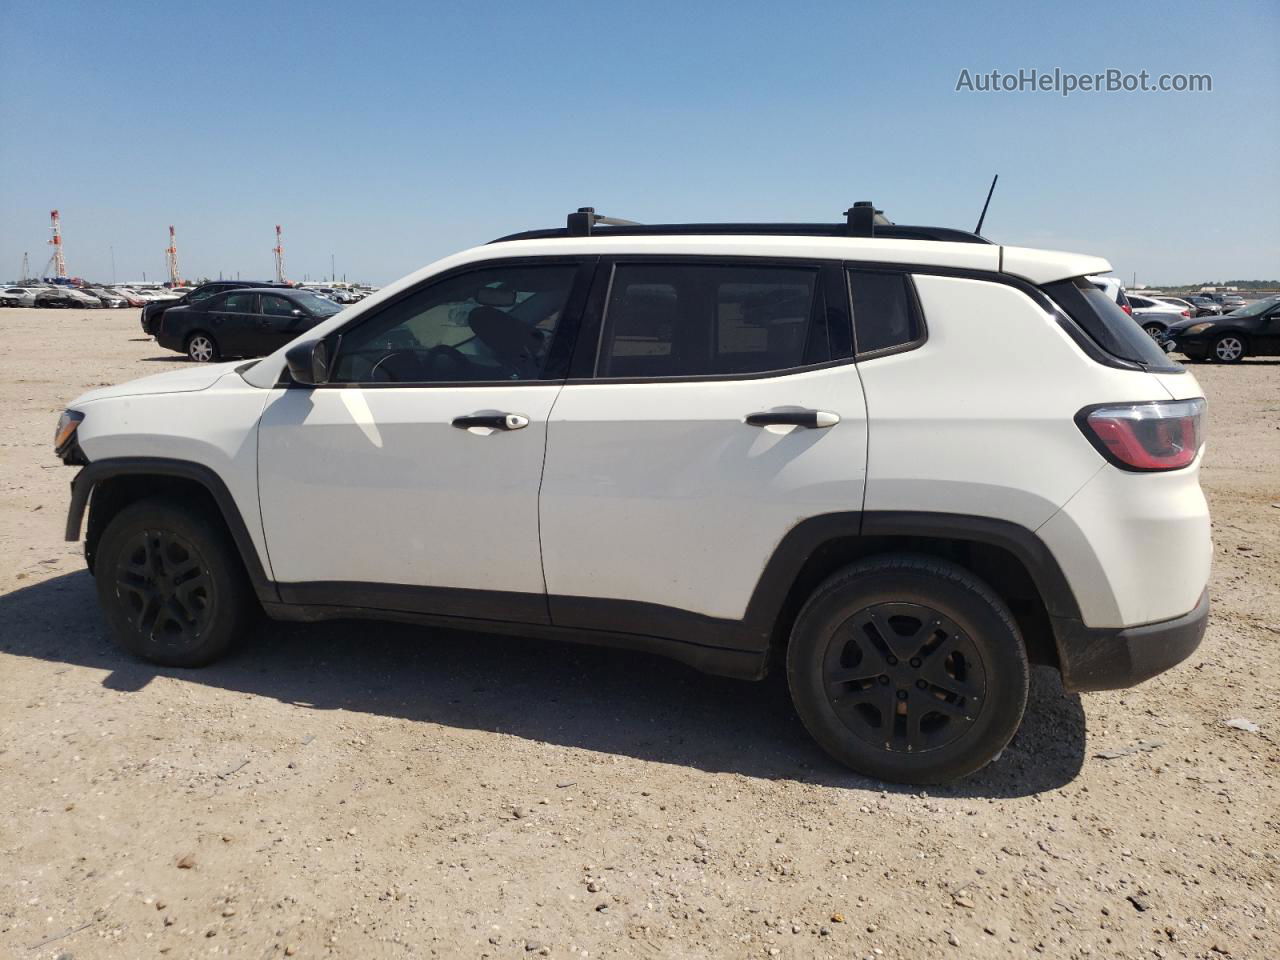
x,y
298,312
308,363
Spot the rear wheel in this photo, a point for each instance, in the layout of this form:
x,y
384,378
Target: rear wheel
x,y
908,669
1228,348
171,584
1154,331
202,348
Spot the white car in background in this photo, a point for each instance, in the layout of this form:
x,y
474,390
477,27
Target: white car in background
x,y
18,296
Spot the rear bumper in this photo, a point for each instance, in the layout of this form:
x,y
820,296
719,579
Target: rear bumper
x,y
1104,658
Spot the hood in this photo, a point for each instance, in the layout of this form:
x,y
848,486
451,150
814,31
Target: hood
x,y
189,379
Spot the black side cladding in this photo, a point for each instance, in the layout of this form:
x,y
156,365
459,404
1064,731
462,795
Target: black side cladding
x,y
1108,326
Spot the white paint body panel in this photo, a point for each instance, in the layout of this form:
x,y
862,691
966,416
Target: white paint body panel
x,y
1045,266
216,426
377,486
980,421
1136,548
659,492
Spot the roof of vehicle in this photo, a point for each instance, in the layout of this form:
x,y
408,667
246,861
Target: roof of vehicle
x,y
1036,266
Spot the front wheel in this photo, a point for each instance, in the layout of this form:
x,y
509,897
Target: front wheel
x,y
171,584
1228,348
201,348
908,669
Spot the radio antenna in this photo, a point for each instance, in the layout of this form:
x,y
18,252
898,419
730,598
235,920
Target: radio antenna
x,y
978,228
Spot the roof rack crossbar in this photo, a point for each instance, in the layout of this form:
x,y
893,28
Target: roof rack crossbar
x,y
580,224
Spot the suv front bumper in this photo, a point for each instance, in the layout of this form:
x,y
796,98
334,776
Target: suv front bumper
x,y
1103,658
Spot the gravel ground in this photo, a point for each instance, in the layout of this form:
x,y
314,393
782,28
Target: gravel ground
x,y
360,790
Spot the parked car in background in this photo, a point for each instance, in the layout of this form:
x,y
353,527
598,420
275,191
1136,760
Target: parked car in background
x,y
1179,303
153,311
1251,331
18,296
108,298
1227,301
247,322
1114,289
1205,306
60,295
1155,316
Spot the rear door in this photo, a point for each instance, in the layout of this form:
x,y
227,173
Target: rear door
x,y
720,408
234,320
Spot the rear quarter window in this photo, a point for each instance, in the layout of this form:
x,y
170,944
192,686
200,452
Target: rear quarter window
x,y
1107,325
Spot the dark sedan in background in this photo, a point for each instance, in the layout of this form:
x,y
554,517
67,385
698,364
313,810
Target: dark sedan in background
x,y
153,311
1251,331
1205,306
248,322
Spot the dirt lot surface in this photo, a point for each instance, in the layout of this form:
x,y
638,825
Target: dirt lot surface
x,y
379,791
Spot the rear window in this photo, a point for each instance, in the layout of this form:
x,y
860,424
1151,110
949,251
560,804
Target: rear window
x,y
1107,325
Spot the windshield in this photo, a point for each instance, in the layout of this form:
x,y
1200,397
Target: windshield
x,y
1255,308
317,305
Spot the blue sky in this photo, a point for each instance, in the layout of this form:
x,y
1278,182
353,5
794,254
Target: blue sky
x,y
390,134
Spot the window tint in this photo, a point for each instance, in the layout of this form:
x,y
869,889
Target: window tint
x,y
195,296
673,320
494,324
238,303
274,306
884,311
1106,324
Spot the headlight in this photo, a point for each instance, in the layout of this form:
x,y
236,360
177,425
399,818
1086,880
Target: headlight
x,y
67,424
1197,328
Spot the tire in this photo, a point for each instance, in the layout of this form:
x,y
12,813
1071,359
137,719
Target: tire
x,y
1154,331
171,584
202,348
1229,348
954,692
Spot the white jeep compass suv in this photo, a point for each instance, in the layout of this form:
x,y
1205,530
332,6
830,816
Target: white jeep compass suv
x,y
904,461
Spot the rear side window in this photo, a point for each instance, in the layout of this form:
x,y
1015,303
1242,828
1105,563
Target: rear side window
x,y
238,303
885,313
1107,325
697,320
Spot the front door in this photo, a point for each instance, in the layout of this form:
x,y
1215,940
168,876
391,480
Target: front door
x,y
411,481
280,320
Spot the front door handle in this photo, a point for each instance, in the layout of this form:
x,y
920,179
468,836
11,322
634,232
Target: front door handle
x,y
494,421
813,419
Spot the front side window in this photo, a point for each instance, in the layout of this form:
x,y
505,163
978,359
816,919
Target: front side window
x,y
486,325
274,306
685,320
885,314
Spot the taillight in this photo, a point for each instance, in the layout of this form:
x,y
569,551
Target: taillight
x,y
1186,313
1127,309
1163,435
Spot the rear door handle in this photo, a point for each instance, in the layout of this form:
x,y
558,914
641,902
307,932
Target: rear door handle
x,y
494,421
813,419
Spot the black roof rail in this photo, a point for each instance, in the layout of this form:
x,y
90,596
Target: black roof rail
x,y
861,220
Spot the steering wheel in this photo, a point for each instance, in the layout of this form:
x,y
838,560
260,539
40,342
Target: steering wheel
x,y
422,362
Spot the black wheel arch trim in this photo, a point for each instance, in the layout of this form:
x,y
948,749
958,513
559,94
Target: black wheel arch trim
x,y
97,471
